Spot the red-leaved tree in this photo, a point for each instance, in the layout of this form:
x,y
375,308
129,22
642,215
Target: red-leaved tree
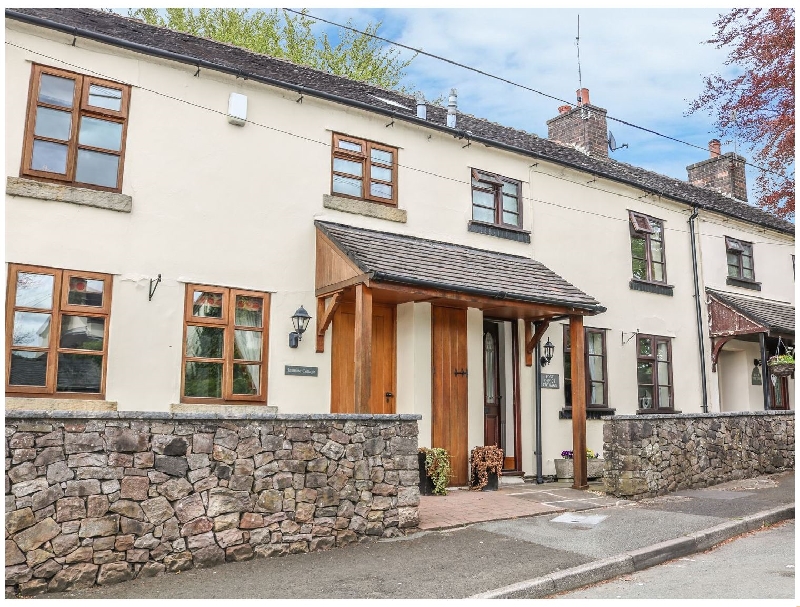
x,y
757,106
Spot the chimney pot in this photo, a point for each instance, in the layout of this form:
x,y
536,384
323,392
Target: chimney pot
x,y
422,108
452,106
583,96
713,147
563,109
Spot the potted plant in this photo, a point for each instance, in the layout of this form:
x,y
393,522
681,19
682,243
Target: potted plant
x,y
782,364
564,466
486,465
434,471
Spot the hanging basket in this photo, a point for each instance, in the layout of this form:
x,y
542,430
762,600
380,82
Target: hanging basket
x,y
780,369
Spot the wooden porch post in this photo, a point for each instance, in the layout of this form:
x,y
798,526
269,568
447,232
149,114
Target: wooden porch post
x,y
363,348
576,336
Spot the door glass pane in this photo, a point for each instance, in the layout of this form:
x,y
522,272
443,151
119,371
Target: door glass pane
x,y
511,219
340,165
247,345
34,290
482,214
246,379
484,199
596,367
381,156
596,394
85,291
381,173
662,351
96,168
347,186
663,374
31,329
204,342
350,146
490,367
53,123
203,379
48,156
664,401
79,373
380,190
28,368
207,304
56,90
645,346
645,397
249,311
105,97
100,133
644,372
510,204
82,332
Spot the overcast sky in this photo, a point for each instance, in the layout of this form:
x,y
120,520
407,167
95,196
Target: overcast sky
x,y
643,65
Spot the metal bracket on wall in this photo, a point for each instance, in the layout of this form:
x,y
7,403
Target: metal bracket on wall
x,y
632,335
153,287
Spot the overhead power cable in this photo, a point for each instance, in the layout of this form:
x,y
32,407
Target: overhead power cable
x,y
512,83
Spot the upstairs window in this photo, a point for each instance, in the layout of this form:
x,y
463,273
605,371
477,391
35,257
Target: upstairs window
x,y
740,259
75,131
647,248
496,199
364,169
56,331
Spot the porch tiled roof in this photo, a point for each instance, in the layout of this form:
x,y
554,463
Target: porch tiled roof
x,y
777,315
416,261
238,59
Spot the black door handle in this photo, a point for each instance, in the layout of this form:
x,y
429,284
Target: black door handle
x,y
462,372
389,395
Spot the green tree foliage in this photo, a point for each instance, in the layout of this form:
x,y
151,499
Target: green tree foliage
x,y
281,34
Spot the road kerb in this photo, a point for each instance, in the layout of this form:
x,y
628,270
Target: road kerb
x,y
636,560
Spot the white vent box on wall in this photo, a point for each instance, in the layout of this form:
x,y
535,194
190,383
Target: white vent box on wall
x,y
237,109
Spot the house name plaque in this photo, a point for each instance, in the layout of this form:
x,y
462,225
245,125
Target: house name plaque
x,y
304,371
550,380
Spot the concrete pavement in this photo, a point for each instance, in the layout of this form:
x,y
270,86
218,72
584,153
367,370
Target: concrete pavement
x,y
572,539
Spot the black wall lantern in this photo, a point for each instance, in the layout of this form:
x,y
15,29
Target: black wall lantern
x,y
300,322
548,353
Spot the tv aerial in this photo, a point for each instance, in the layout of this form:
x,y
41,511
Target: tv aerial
x,y
612,143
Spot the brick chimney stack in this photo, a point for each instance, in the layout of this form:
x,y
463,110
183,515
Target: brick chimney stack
x,y
721,172
583,126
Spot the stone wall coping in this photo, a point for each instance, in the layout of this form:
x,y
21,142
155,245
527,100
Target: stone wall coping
x,y
166,415
667,416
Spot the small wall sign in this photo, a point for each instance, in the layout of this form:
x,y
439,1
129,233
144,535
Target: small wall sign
x,y
756,377
550,380
297,370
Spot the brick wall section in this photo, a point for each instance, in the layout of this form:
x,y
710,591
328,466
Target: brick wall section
x,y
648,455
590,134
102,497
723,174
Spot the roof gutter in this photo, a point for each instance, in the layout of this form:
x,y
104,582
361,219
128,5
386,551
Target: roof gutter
x,y
499,295
189,60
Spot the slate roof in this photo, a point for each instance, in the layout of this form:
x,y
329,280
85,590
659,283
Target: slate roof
x,y
236,59
777,315
416,261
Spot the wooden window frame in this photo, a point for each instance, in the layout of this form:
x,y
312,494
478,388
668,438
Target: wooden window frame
x,y
741,249
227,323
365,158
59,307
80,108
494,185
653,358
642,227
567,353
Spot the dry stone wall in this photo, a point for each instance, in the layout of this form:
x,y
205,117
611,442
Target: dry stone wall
x,y
648,455
100,498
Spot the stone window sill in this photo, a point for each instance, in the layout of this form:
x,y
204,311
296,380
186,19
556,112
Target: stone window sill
x,y
222,409
49,403
499,231
591,412
743,283
657,412
56,192
364,207
651,287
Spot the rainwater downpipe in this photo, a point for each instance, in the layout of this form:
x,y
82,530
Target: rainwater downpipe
x,y
698,310
538,416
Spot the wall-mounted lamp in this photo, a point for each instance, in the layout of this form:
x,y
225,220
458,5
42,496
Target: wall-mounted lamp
x,y
300,322
756,362
548,353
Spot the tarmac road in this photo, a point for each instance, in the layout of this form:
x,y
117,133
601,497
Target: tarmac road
x,y
757,565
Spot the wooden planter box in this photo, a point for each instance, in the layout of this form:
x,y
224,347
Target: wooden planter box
x,y
594,468
492,484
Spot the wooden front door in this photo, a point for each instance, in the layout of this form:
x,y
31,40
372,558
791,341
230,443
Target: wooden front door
x,y
780,391
491,385
382,398
449,406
